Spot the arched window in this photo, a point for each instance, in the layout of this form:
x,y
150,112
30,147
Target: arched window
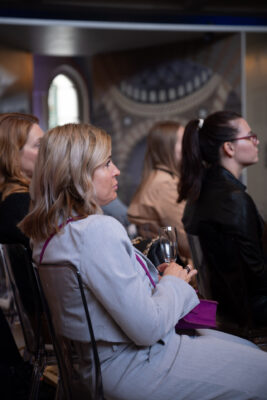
x,y
67,98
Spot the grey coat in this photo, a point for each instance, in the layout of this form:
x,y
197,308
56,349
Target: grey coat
x,y
141,356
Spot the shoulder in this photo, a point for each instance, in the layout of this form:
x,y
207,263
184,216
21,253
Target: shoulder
x,y
239,198
12,210
17,197
103,225
232,200
221,187
159,180
16,202
103,234
165,176
244,205
237,209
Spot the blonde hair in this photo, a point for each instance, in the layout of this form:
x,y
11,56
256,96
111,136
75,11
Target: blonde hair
x,y
62,185
161,141
14,131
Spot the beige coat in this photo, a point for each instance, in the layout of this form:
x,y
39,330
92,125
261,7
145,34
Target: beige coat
x,y
157,206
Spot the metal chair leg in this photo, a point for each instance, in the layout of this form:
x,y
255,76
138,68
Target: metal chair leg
x,y
37,374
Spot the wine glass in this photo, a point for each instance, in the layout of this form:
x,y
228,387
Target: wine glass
x,y
168,243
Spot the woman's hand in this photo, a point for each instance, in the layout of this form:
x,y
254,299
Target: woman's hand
x,y
176,270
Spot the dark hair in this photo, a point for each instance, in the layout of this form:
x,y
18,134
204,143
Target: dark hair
x,y
200,149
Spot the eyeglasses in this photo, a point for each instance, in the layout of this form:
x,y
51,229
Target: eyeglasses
x,y
253,138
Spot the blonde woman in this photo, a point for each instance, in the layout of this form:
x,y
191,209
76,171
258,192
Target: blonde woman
x,y
155,201
141,356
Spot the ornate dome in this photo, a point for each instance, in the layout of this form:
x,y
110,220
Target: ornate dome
x,y
166,82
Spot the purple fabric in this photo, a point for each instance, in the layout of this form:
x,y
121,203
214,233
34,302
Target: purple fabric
x,y
202,316
145,268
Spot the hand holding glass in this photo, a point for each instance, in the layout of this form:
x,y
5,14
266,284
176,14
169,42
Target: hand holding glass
x,y
168,243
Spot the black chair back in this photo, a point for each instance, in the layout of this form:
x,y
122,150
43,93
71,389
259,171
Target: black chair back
x,y
38,346
66,305
6,294
24,317
203,276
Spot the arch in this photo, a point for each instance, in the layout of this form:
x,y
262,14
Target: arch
x,y
77,87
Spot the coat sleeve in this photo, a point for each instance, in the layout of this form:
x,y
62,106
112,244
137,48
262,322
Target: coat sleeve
x,y
119,283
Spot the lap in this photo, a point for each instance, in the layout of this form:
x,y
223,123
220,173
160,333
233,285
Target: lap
x,y
212,365
221,365
226,336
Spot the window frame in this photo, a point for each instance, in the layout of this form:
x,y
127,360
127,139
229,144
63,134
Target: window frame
x,y
82,91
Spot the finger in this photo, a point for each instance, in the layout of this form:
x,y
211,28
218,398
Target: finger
x,y
191,275
193,272
162,267
189,272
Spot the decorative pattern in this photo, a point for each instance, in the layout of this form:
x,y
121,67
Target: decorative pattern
x,y
187,102
166,83
129,98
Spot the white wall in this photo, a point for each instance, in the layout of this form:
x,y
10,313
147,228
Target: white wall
x,y
256,114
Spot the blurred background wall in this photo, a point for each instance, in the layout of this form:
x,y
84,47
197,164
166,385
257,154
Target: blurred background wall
x,y
16,83
133,63
134,89
256,112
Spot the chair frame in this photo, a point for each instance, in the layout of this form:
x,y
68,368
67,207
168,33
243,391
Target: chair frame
x,y
36,350
7,298
199,263
99,394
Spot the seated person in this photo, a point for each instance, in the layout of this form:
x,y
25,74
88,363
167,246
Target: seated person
x,y
19,144
141,356
20,137
221,213
155,201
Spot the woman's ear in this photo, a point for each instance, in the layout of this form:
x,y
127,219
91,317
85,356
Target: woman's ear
x,y
228,149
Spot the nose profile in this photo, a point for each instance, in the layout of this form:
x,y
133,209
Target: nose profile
x,y
116,171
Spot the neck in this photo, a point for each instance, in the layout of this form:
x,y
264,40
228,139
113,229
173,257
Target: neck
x,y
232,167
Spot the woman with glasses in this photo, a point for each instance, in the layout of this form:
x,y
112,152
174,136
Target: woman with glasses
x,y
223,216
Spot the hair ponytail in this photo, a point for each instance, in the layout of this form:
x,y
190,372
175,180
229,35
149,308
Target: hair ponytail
x,y
201,149
192,168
